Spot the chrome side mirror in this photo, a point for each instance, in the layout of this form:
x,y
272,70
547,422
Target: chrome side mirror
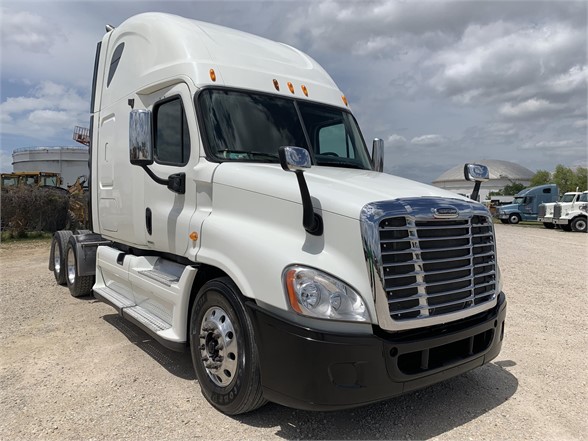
x,y
297,159
378,155
476,172
294,158
140,144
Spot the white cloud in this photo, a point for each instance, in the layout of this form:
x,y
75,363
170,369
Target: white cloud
x,y
532,108
428,140
28,31
559,147
48,109
396,141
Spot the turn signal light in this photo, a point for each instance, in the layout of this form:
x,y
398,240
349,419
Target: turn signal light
x,y
276,85
194,236
212,75
345,100
304,90
291,87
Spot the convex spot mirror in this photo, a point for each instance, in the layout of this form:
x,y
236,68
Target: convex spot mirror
x,y
140,145
476,172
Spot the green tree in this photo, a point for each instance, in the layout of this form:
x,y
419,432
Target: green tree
x,y
565,178
542,177
512,188
581,179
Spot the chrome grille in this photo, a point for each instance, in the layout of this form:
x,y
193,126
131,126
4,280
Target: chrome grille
x,y
557,211
542,211
436,267
427,269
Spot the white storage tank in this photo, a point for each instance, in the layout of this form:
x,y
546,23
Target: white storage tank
x,y
69,162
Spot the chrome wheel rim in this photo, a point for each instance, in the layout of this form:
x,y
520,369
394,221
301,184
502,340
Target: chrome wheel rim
x,y
57,259
218,346
581,225
71,267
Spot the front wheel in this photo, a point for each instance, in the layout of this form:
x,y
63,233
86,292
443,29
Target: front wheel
x,y
579,224
514,219
223,349
79,286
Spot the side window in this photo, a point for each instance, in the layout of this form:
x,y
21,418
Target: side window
x,y
547,190
334,139
117,54
172,139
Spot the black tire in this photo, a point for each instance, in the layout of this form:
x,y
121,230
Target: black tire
x,y
79,286
514,218
566,227
57,255
504,221
223,349
549,225
579,224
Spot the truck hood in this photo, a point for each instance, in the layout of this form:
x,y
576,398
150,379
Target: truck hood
x,y
336,190
509,207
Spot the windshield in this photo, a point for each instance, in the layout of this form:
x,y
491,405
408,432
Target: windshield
x,y
568,197
252,127
519,200
584,197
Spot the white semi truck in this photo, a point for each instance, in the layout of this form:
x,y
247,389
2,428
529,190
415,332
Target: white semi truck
x,y
237,213
572,216
545,214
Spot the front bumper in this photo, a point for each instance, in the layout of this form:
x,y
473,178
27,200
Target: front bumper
x,y
315,370
561,221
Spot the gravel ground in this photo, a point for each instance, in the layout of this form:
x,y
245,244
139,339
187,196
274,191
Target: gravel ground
x,y
72,369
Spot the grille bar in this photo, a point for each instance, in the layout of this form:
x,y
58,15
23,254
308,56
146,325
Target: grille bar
x,y
429,308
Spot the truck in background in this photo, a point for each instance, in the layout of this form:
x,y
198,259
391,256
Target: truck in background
x,y
545,214
237,213
525,206
572,216
35,179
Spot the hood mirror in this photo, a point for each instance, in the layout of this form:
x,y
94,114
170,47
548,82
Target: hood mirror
x,y
378,155
478,173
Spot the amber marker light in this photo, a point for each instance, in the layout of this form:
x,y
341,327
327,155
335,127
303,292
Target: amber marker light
x,y
291,87
304,90
344,98
290,275
212,75
194,236
277,85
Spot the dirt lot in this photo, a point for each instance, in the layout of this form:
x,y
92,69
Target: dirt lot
x,y
72,369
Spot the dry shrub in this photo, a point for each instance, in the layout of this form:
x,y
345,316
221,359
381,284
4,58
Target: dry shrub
x,y
26,209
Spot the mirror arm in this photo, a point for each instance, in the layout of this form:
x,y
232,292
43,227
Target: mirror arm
x,y
175,182
474,195
311,221
153,176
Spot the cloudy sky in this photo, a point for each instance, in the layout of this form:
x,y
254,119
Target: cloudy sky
x,y
441,82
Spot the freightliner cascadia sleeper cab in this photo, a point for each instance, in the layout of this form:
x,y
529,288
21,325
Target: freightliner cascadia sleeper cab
x,y
237,212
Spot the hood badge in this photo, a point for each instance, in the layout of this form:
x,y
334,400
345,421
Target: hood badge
x,y
445,212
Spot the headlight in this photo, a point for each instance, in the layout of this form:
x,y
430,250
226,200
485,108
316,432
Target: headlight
x,y
316,294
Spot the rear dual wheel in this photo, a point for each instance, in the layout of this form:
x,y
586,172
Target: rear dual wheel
x,y
79,286
57,255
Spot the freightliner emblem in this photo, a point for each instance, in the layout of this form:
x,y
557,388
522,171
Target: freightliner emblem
x,y
445,213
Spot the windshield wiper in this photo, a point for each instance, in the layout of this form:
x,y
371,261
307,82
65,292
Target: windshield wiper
x,y
341,164
248,155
